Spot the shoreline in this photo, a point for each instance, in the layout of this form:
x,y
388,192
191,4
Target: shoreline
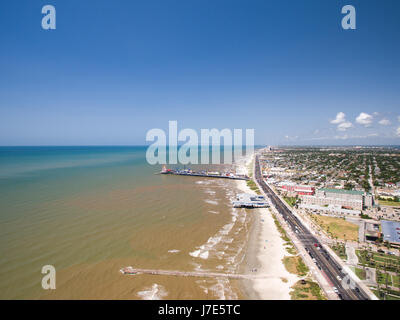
x,y
264,251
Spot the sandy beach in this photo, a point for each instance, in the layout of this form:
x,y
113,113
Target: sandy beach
x,y
265,251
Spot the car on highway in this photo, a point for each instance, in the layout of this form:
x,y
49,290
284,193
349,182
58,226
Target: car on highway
x,y
322,259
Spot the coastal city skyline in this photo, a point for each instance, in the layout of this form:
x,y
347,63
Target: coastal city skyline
x,y
105,76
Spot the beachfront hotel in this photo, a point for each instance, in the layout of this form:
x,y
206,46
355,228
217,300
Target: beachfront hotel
x,y
351,199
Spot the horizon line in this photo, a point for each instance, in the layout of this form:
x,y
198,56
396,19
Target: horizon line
x,y
256,145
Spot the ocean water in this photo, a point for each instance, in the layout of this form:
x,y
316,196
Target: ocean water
x,y
90,211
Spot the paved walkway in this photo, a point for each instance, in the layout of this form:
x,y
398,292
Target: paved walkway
x,y
133,271
370,276
361,227
352,258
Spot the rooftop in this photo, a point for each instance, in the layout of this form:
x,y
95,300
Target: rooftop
x,y
250,200
391,231
249,197
343,191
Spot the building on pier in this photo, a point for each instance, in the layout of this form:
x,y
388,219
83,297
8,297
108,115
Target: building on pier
x,y
245,200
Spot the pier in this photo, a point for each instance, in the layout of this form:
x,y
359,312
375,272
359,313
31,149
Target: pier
x,y
135,271
205,174
194,174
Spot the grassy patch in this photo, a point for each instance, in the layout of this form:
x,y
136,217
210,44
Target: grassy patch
x,y
307,290
396,281
295,265
389,258
340,250
337,227
290,249
281,231
288,244
383,296
389,203
361,273
253,186
290,200
250,169
390,297
383,278
382,261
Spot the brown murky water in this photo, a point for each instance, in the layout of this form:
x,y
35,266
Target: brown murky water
x,y
90,221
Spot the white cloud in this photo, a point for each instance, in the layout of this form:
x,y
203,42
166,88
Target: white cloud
x,y
398,131
340,120
316,131
340,117
365,119
398,118
384,122
344,126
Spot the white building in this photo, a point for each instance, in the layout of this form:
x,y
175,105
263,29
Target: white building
x,y
346,199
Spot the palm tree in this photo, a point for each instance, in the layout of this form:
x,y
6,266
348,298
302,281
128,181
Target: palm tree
x,y
386,275
379,291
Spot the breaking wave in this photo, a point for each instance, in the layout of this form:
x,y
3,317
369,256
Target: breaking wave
x,y
156,292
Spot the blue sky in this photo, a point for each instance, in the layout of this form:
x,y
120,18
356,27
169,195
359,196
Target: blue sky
x,y
112,70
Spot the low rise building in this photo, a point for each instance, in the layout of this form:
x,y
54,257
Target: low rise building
x,y
245,200
279,171
332,209
391,232
299,189
388,193
346,199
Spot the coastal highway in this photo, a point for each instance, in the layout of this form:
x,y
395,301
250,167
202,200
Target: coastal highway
x,y
322,259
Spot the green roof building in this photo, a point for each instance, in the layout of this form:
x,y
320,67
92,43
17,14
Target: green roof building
x,y
343,191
